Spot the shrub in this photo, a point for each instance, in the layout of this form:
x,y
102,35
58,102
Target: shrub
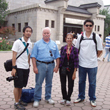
x,y
4,45
6,31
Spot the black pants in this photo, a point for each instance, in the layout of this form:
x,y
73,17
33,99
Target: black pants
x,y
63,79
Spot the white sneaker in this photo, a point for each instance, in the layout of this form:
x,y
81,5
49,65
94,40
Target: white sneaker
x,y
93,103
35,104
78,100
63,101
50,101
68,103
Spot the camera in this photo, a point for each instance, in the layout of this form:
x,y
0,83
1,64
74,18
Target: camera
x,y
11,78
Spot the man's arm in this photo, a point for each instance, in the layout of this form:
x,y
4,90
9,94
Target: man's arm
x,y
14,63
34,65
57,65
99,53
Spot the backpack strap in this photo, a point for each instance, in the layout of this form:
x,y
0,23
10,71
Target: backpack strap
x,y
94,39
80,42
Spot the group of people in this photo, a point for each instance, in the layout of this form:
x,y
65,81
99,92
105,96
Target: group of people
x,y
81,57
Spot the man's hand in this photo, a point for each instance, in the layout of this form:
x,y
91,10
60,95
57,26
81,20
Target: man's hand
x,y
13,72
35,70
55,69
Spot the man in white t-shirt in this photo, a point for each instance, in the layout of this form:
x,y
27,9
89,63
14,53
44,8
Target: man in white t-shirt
x,y
21,65
88,61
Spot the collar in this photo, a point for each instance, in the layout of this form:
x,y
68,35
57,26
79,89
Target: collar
x,y
46,42
25,41
89,36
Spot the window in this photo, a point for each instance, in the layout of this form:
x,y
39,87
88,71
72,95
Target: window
x,y
19,27
95,27
52,24
26,23
98,28
13,25
46,23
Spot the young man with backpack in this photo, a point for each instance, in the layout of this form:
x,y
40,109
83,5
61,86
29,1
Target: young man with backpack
x,y
20,66
90,47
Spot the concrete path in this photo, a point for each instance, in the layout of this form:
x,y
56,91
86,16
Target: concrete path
x,y
102,92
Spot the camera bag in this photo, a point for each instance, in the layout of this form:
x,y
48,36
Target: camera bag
x,y
8,63
27,95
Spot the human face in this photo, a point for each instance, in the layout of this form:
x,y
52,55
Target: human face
x,y
88,27
27,33
46,35
69,39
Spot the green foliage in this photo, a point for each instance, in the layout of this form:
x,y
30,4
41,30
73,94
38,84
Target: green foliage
x,y
4,45
3,10
106,12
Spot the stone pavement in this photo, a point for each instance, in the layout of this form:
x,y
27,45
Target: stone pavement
x,y
102,92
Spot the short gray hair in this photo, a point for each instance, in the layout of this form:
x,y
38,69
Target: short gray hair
x,y
46,28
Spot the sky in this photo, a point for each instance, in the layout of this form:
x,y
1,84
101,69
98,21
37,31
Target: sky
x,y
106,2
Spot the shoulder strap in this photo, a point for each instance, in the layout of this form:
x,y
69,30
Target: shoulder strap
x,y
94,39
23,50
80,42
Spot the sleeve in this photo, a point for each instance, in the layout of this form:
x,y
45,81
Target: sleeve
x,y
99,43
15,46
57,55
34,51
77,42
76,59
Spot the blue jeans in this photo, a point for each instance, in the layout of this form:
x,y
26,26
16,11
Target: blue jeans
x,y
45,71
107,53
92,72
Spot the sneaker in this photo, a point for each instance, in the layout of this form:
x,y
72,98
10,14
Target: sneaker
x,y
78,100
19,107
98,59
68,103
35,104
22,103
93,103
50,101
103,59
63,101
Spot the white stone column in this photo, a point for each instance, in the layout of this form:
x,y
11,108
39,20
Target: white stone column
x,y
60,25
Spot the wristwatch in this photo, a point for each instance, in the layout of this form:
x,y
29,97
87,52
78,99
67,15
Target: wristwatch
x,y
14,67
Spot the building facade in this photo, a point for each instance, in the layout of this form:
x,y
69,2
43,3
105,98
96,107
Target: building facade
x,y
58,15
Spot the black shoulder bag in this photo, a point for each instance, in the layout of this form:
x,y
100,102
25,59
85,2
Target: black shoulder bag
x,y
8,63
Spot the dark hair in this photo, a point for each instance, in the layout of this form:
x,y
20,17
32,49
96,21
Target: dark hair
x,y
109,33
100,35
74,36
89,20
26,28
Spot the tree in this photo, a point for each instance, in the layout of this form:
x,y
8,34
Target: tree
x,y
3,10
107,21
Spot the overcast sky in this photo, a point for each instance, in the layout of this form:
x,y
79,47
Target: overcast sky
x,y
106,2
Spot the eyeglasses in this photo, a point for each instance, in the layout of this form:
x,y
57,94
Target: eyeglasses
x,y
51,53
88,25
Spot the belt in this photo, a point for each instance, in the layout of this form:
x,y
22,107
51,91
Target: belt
x,y
46,62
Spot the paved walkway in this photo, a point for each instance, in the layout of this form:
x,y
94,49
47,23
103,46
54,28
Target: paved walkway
x,y
102,92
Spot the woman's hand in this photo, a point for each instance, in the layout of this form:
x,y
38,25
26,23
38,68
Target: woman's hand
x,y
74,76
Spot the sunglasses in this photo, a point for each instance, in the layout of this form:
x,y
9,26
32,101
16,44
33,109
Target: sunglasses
x,y
88,25
51,53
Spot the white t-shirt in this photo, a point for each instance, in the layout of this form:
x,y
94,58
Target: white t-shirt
x,y
87,53
18,46
74,41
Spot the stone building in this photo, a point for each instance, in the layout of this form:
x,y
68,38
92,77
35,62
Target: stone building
x,y
56,14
